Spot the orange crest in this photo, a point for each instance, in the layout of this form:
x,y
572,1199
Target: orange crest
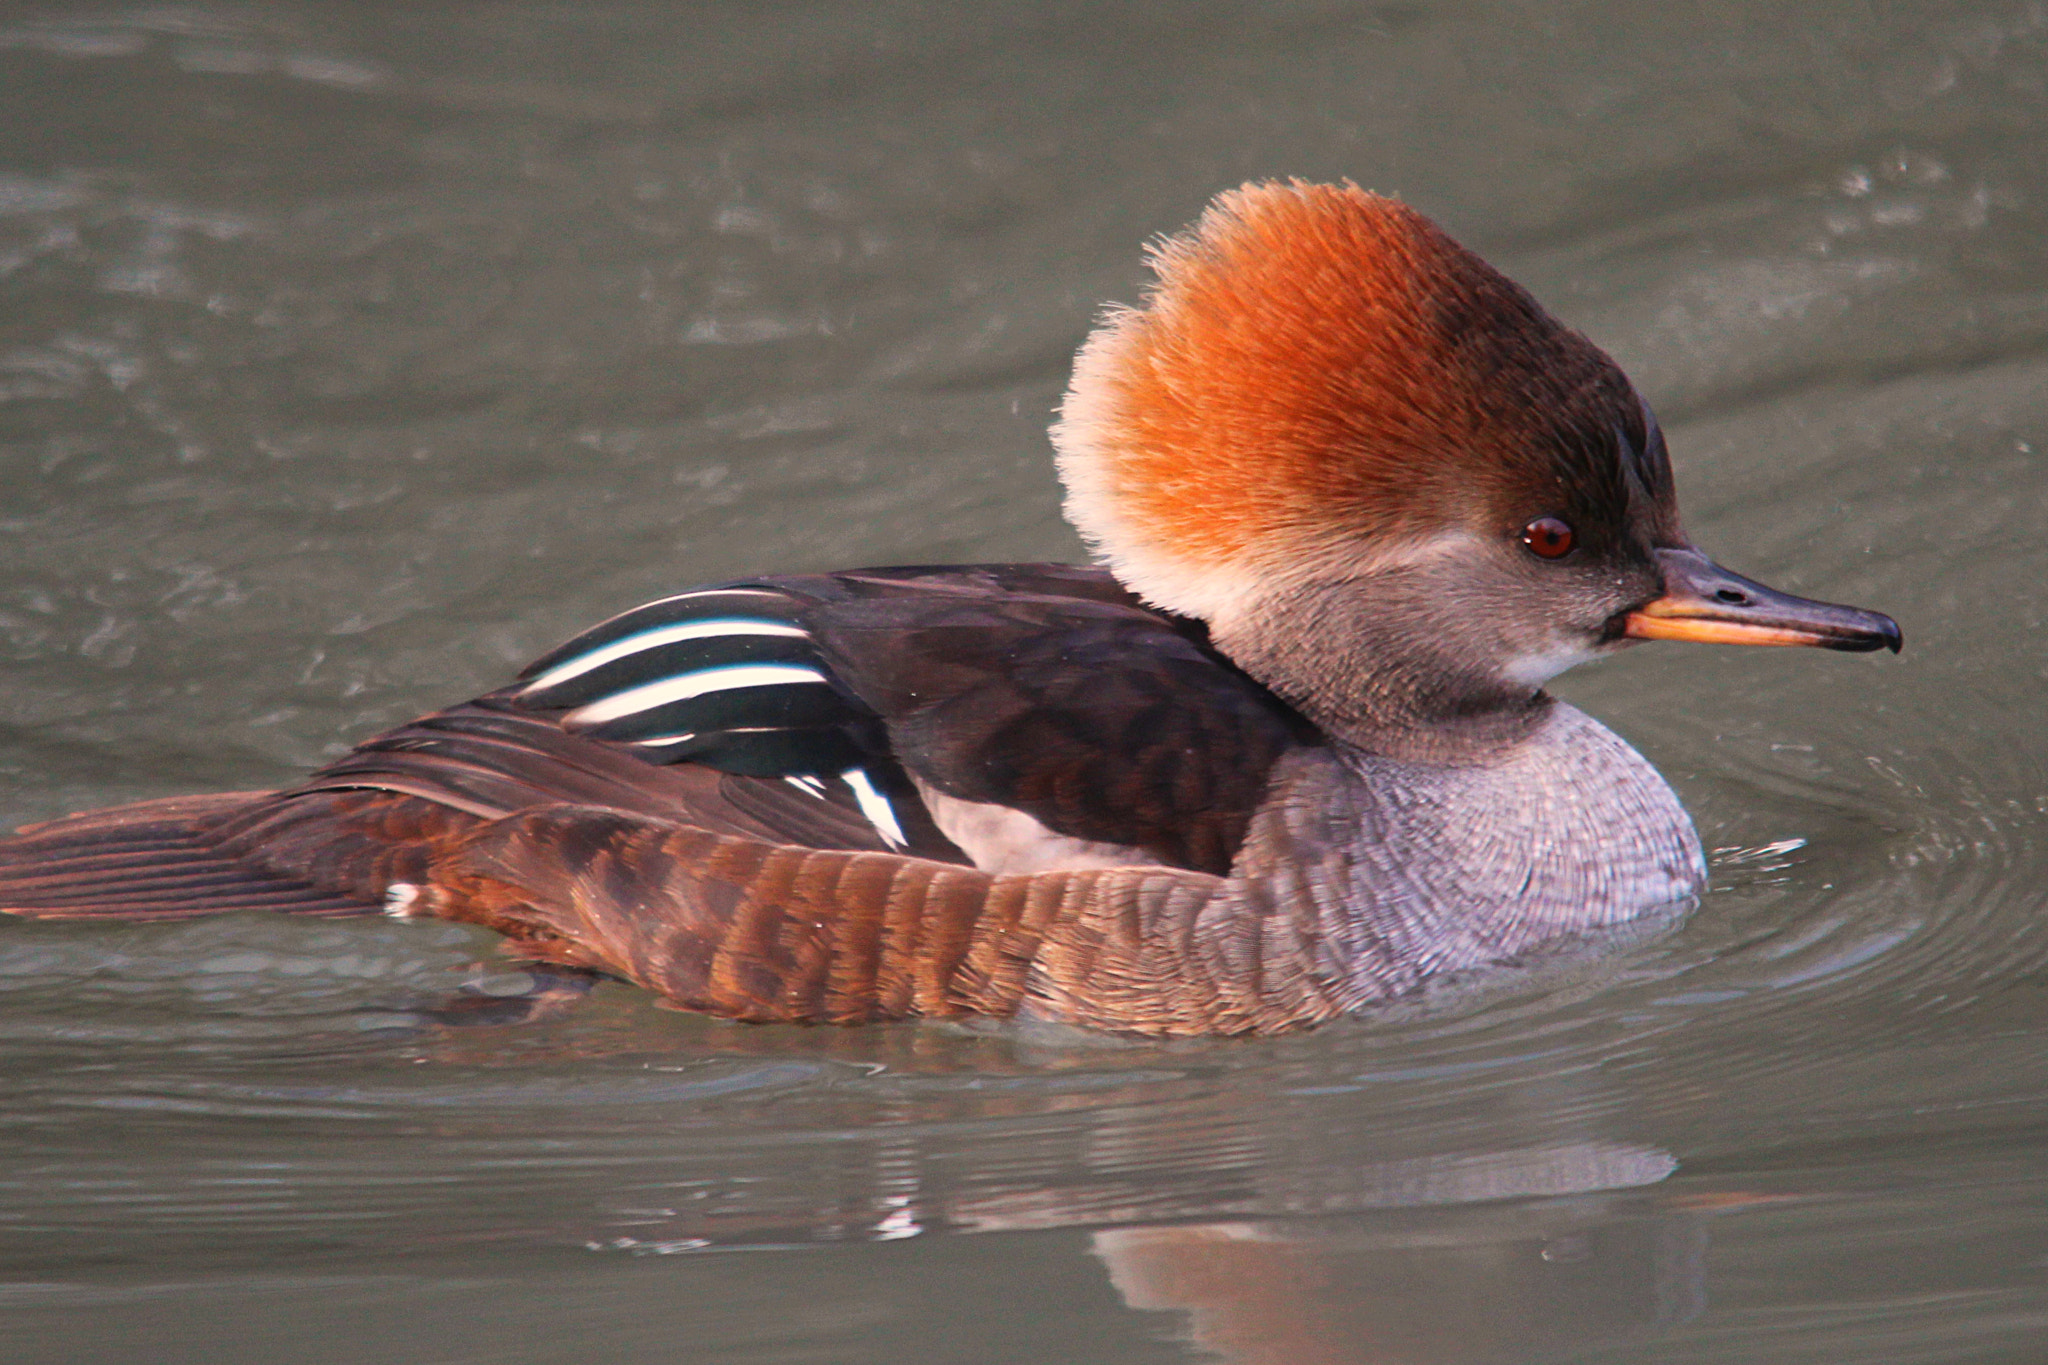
x,y
1320,379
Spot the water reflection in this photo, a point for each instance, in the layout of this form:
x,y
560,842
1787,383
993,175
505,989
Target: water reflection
x,y
1273,1218
1485,1285
1267,1219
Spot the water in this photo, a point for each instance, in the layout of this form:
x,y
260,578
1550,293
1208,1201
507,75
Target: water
x,y
353,354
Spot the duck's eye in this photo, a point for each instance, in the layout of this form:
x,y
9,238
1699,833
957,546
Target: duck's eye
x,y
1549,537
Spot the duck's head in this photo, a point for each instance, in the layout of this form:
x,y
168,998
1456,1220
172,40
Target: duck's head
x,y
1398,491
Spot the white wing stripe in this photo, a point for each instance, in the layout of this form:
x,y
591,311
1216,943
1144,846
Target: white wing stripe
x,y
713,629
650,695
662,741
695,593
875,806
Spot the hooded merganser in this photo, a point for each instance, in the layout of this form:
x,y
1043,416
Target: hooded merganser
x,y
1286,754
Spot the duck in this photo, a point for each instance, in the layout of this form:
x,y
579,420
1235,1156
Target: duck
x,y
1282,753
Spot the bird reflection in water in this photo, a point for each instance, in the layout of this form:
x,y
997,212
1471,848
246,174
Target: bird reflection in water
x,y
1479,1284
1283,1227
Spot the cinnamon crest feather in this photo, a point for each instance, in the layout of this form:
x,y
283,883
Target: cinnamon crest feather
x,y
1319,374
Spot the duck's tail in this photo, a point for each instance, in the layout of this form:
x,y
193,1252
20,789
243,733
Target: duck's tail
x,y
179,857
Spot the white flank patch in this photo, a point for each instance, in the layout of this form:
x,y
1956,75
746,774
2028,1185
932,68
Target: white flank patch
x,y
646,697
1001,839
400,898
723,627
875,806
807,784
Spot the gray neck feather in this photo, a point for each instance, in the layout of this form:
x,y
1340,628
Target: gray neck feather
x,y
1375,873
1404,661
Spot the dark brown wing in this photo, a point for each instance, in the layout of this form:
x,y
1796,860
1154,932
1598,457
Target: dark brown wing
x,y
1043,688
1050,690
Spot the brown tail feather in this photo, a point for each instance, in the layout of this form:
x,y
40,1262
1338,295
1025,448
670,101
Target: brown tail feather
x,y
319,854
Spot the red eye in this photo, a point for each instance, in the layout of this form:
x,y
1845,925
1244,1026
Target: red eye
x,y
1548,537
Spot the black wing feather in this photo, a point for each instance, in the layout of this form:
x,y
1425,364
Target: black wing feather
x,y
823,700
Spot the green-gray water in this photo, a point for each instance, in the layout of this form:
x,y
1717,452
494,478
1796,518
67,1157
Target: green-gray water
x,y
353,354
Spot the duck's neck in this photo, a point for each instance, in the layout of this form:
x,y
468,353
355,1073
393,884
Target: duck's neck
x,y
1377,665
